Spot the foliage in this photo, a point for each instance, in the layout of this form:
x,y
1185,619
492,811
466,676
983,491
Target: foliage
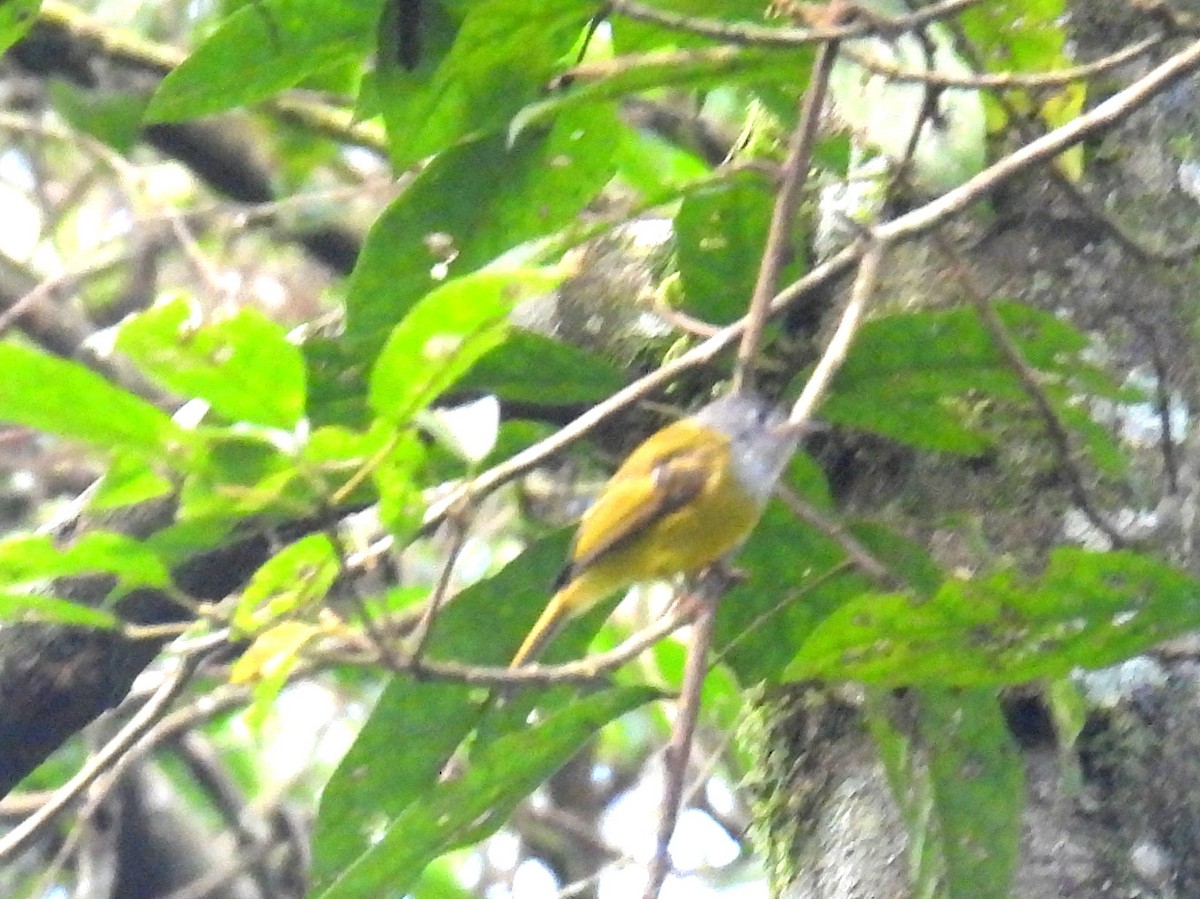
x,y
509,171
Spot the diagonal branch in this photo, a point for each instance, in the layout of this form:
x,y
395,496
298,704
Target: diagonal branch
x,y
787,201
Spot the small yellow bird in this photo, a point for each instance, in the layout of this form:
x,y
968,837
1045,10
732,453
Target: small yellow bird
x,y
688,495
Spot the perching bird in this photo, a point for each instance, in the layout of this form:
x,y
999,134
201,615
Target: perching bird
x,y
687,496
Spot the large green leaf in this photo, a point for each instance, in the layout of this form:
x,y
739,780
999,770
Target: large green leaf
x,y
129,479
504,54
262,48
29,559
242,474
469,206
498,777
975,772
1086,610
719,68
443,336
299,574
720,234
908,373
376,784
531,368
508,601
241,363
396,758
65,398
793,579
962,761
26,607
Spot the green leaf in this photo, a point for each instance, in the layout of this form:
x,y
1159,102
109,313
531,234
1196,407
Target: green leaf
x,y
63,397
298,575
377,779
963,761
439,882
113,117
25,608
911,788
1070,710
532,368
337,371
15,18
907,558
509,602
129,479
242,363
1086,610
184,538
31,559
375,783
498,777
504,54
1019,35
443,335
469,206
720,234
267,663
654,167
907,373
805,476
717,67
134,563
794,578
244,473
262,48
978,787
1028,36
401,502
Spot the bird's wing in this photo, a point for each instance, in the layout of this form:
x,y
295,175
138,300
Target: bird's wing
x,y
633,501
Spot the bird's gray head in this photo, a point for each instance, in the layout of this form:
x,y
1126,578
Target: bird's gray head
x,y
761,443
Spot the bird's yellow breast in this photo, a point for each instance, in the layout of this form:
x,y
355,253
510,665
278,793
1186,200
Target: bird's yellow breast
x,y
709,525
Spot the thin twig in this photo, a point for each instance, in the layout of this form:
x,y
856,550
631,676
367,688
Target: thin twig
x,y
583,671
458,538
783,215
1004,81
726,56
675,756
1059,433
839,342
863,558
766,36
1162,402
1104,115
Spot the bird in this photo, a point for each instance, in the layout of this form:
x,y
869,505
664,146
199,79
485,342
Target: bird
x,y
686,497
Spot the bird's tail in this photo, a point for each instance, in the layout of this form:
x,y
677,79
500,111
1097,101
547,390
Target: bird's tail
x,y
563,606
